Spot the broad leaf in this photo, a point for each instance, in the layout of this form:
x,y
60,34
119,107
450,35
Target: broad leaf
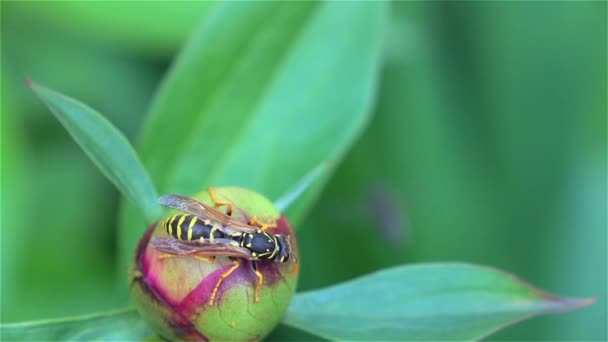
x,y
448,155
263,93
106,146
122,325
423,302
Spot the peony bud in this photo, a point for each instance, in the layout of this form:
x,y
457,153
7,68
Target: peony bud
x,y
175,294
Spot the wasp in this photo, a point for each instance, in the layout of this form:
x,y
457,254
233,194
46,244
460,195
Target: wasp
x,y
204,233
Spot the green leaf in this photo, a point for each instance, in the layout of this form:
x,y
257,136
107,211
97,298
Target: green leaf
x,y
106,146
263,93
423,302
457,169
120,325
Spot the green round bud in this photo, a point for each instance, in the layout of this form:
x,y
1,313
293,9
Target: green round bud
x,y
180,296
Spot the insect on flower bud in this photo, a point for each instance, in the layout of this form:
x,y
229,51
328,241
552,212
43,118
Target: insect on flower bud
x,y
216,275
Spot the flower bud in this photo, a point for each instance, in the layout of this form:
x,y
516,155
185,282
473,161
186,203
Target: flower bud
x,y
186,298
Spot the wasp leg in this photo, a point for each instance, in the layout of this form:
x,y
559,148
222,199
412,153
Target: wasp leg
x,y
218,203
253,221
208,259
222,277
258,285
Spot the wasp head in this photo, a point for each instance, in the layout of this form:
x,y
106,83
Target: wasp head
x,y
284,248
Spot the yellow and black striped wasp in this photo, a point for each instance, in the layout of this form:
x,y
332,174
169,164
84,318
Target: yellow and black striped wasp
x,y
204,232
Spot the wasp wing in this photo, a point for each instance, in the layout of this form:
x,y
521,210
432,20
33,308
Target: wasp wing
x,y
221,247
192,206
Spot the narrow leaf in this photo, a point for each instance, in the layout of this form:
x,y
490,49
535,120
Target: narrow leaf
x,y
262,93
120,325
105,145
423,302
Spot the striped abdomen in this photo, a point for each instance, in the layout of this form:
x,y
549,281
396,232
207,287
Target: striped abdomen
x,y
190,227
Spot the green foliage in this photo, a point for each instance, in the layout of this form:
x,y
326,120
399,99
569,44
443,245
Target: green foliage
x,y
42,281
120,325
487,145
13,167
155,27
421,302
484,147
260,110
447,302
393,304
106,147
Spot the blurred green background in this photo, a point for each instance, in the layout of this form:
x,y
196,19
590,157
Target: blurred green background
x,y
487,145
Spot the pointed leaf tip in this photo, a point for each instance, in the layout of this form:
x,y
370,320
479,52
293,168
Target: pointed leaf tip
x,y
450,301
105,145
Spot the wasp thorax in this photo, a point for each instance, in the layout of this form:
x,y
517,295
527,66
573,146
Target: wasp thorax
x,y
264,245
193,277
